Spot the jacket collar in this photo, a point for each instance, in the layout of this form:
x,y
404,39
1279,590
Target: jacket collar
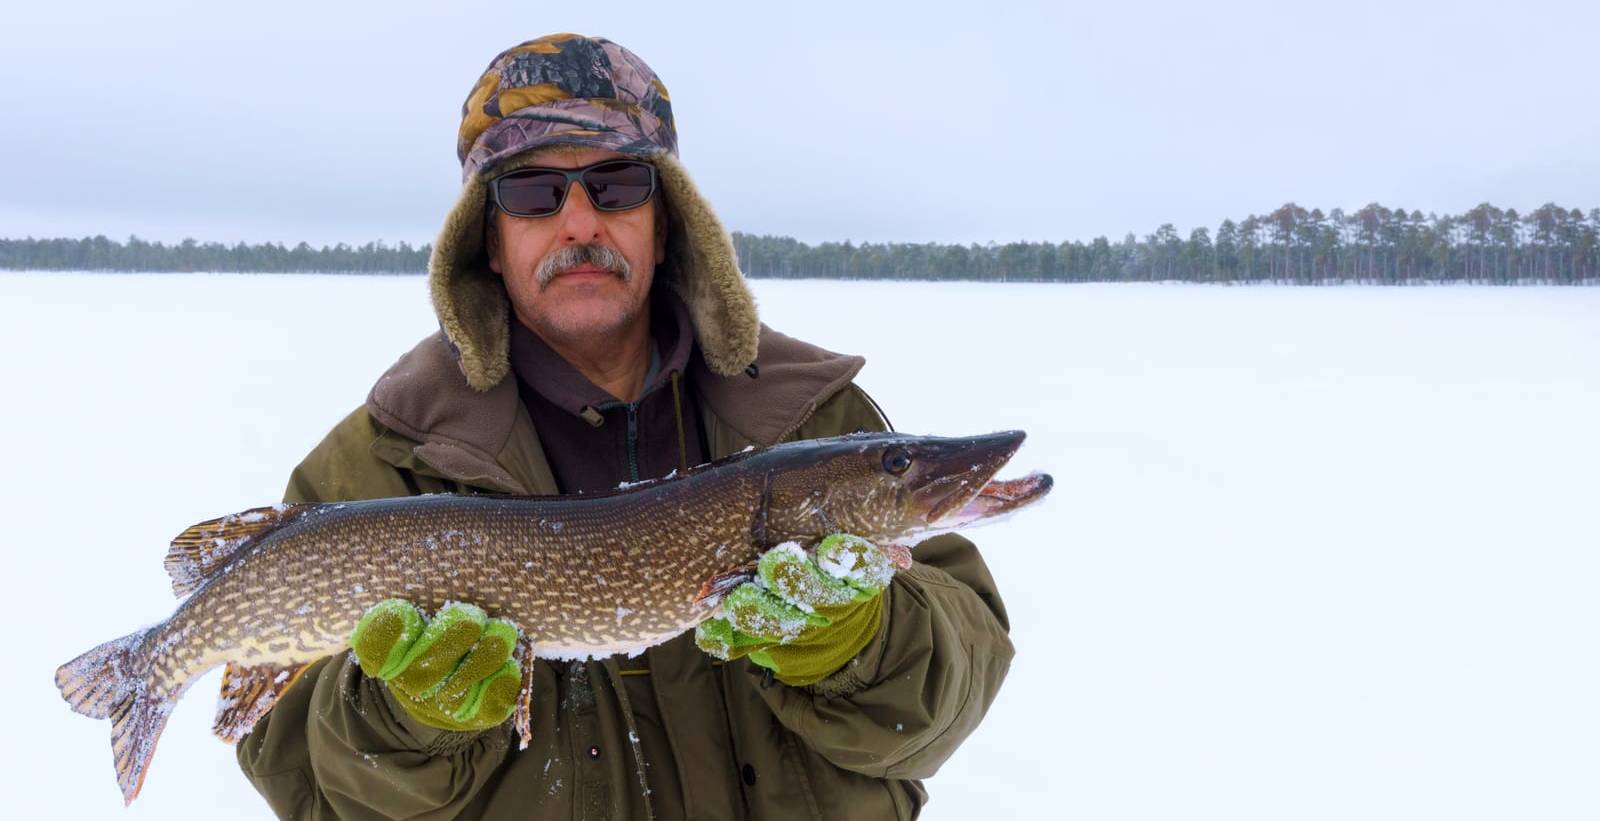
x,y
466,435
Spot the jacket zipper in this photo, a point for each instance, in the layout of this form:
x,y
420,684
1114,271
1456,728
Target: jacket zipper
x,y
632,409
633,441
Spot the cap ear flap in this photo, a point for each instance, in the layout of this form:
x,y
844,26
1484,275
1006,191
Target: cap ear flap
x,y
703,267
468,296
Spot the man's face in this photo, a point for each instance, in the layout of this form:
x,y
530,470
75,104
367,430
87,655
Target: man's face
x,y
554,292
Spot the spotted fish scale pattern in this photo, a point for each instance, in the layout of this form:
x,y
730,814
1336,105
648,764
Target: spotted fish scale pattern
x,y
579,579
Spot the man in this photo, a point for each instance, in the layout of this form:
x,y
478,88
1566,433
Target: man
x,y
595,329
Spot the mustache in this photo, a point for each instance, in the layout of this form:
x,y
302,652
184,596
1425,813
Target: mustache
x,y
569,257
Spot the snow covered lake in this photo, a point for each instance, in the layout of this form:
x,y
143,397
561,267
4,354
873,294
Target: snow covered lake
x,y
1313,553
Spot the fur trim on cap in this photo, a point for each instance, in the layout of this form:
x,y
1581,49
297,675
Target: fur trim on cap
x,y
700,264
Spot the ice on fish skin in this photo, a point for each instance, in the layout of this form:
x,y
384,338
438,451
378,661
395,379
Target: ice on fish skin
x,y
293,580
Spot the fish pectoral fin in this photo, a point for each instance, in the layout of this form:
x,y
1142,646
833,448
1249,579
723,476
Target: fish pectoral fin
x,y
204,549
248,693
718,585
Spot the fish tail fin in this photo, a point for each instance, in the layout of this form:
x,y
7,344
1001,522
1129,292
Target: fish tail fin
x,y
96,681
112,681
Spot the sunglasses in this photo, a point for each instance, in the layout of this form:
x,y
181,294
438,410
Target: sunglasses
x,y
613,185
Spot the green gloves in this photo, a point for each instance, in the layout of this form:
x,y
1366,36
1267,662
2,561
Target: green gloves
x,y
456,672
804,616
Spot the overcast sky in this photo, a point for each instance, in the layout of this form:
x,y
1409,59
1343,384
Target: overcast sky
x,y
871,121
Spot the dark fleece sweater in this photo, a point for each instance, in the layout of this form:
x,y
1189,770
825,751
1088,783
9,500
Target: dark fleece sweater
x,y
595,441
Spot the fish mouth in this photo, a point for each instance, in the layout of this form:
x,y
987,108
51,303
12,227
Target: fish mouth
x,y
954,484
999,498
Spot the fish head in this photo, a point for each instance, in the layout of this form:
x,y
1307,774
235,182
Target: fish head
x,y
893,488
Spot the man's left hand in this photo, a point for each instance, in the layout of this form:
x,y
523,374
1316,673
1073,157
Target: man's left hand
x,y
805,616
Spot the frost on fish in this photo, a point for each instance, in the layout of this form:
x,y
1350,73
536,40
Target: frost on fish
x,y
595,653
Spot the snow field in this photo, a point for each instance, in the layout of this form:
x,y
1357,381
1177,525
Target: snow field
x,y
1312,553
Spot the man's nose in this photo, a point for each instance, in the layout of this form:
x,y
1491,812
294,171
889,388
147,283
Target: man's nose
x,y
580,221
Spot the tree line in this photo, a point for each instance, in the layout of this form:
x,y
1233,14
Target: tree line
x,y
1291,245
101,254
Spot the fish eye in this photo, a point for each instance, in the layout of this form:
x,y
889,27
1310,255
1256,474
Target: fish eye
x,y
896,460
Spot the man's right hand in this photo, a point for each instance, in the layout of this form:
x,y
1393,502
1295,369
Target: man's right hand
x,y
456,672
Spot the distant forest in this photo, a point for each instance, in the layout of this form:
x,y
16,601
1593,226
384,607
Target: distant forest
x,y
1291,245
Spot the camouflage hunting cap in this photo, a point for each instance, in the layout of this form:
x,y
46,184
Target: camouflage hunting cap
x,y
564,88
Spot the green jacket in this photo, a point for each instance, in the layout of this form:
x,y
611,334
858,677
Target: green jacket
x,y
667,734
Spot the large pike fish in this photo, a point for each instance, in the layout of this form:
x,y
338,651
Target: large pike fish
x,y
271,590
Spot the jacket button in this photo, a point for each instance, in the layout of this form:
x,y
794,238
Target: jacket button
x,y
749,775
594,750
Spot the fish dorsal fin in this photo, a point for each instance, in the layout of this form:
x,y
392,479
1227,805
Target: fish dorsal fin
x,y
202,550
248,693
